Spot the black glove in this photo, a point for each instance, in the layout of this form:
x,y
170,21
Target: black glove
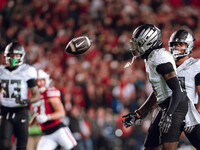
x,y
165,122
131,118
22,101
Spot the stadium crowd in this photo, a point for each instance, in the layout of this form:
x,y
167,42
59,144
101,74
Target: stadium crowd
x,y
96,89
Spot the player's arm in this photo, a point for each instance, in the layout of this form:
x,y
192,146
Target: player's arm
x,y
59,111
169,74
35,94
137,116
33,120
1,88
148,105
197,84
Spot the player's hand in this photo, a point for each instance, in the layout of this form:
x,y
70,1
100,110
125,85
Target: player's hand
x,y
42,118
22,101
165,122
188,129
1,96
131,119
33,120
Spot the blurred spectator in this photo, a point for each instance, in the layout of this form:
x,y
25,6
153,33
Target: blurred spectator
x,y
81,128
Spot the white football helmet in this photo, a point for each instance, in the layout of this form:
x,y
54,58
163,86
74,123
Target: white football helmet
x,y
14,48
181,36
145,38
43,75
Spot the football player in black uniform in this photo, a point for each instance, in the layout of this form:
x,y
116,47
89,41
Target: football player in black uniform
x,y
16,78
165,128
188,69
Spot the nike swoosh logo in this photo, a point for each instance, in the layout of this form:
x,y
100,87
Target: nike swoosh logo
x,y
78,45
23,120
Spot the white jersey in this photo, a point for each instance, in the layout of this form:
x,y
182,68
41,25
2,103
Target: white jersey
x,y
160,87
186,74
14,83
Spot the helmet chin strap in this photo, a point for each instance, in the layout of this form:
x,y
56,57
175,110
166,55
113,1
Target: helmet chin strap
x,y
130,63
13,62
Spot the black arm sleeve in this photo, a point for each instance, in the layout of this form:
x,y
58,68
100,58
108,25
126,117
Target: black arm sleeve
x,y
31,83
197,79
177,94
165,68
173,84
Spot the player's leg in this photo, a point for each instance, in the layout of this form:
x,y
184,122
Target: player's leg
x,y
170,146
20,119
152,139
170,139
194,137
6,130
33,141
65,138
46,142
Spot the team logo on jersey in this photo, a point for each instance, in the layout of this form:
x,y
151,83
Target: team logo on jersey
x,y
23,120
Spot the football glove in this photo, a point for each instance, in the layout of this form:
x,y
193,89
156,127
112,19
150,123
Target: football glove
x,y
22,101
43,118
131,118
165,122
188,129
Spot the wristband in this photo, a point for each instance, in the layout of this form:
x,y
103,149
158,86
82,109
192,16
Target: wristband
x,y
138,115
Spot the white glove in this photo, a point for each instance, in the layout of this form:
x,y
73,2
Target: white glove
x,y
188,129
43,118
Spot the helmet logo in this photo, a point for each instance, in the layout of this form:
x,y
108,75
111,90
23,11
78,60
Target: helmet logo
x,y
141,42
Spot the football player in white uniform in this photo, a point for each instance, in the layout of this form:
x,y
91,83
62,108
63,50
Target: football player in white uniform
x,y
48,113
188,69
15,79
165,129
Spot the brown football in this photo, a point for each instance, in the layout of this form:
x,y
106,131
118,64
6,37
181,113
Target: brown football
x,y
78,45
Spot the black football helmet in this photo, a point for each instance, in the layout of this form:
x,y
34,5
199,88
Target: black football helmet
x,y
145,38
181,36
14,48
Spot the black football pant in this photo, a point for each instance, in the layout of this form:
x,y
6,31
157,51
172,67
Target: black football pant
x,y
155,137
194,137
14,122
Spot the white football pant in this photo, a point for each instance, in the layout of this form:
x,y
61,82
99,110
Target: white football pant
x,y
62,137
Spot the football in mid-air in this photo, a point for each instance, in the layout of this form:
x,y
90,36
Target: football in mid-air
x,y
78,45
